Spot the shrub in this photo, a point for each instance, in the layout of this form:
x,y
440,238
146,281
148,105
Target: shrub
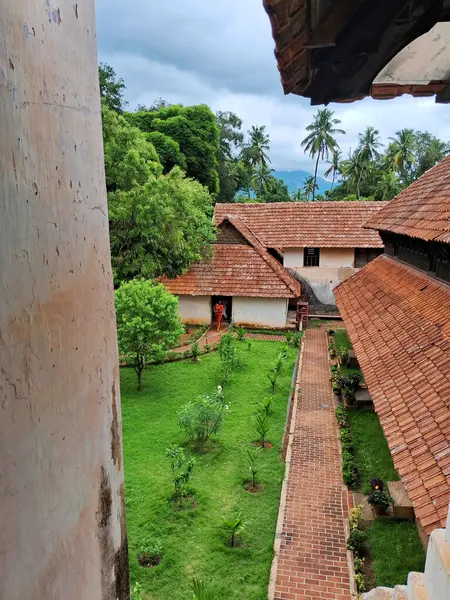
x,y
355,380
249,345
240,333
233,525
379,498
296,339
187,353
341,414
272,376
202,591
136,592
253,455
330,332
195,351
207,348
332,351
349,470
360,583
346,439
278,363
149,553
181,469
202,417
356,540
262,428
344,356
354,516
228,359
289,335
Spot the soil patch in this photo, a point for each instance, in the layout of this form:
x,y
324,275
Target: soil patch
x,y
253,489
148,561
266,445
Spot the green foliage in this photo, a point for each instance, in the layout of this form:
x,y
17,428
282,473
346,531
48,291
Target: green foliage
x,y
202,591
272,376
354,517
228,357
203,417
195,351
349,469
150,550
249,345
344,356
262,428
233,525
341,415
266,405
254,461
379,498
240,333
360,583
168,151
160,227
181,470
111,88
130,159
148,322
255,150
136,592
356,541
195,130
331,350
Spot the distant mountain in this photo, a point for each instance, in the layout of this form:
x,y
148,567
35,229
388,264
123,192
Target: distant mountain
x,y
296,179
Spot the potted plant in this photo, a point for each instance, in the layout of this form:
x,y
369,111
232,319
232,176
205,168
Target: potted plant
x,y
332,350
336,383
344,356
349,395
376,484
380,501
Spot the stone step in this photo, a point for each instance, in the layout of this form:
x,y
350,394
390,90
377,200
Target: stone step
x,y
416,588
400,592
379,593
437,566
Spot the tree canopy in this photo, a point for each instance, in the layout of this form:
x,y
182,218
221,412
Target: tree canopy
x,y
111,88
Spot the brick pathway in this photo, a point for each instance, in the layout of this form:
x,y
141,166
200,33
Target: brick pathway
x,y
265,337
312,562
211,337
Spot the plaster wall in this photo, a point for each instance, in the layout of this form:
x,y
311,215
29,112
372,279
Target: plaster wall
x,y
260,312
195,310
61,476
335,265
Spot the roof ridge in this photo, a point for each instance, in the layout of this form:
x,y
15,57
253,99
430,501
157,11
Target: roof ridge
x,y
261,249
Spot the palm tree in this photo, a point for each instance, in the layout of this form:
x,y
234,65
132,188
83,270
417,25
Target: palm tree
x,y
260,179
255,151
388,186
334,163
309,187
367,151
320,141
202,591
352,169
400,153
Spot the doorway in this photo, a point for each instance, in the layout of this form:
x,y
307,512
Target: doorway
x,y
228,304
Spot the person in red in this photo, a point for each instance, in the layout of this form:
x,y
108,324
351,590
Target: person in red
x,y
218,313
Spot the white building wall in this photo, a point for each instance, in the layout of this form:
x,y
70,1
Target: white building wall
x,y
195,310
260,312
335,265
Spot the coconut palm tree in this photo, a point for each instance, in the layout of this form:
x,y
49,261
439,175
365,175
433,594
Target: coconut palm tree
x,y
309,187
352,170
388,186
255,151
334,163
260,179
367,151
320,140
400,153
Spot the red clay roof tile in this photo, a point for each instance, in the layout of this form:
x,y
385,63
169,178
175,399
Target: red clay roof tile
x,y
421,210
413,351
307,224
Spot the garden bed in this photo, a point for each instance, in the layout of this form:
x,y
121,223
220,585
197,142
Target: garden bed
x,y
192,539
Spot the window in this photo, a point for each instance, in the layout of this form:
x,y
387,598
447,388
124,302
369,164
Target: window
x,y
363,256
311,257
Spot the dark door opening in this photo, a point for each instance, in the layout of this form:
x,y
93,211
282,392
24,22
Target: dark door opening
x,y
227,301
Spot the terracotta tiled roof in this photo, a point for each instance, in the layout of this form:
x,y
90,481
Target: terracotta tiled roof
x,y
308,224
421,210
398,320
237,270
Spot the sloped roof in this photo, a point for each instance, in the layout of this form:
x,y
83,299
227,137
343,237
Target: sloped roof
x,y
237,270
421,210
334,51
307,224
398,320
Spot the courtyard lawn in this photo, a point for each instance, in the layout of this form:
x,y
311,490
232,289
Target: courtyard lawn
x,y
341,339
371,451
395,549
193,539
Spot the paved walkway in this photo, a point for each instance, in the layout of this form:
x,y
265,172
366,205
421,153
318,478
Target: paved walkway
x,y
312,562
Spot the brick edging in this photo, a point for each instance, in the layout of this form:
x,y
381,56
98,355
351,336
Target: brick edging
x,y
283,496
348,504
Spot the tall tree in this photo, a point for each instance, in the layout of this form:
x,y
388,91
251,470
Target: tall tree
x,y
255,151
309,187
334,163
400,154
111,88
388,185
161,227
320,140
231,171
260,179
429,151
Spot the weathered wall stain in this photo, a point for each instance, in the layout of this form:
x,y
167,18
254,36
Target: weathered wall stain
x,y
116,448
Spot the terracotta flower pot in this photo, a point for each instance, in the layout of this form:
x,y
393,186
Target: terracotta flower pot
x,y
378,510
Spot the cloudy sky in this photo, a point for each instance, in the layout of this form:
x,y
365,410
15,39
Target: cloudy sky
x,y
220,53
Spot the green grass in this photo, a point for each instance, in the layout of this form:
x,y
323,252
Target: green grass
x,y
371,451
268,331
396,550
192,539
341,339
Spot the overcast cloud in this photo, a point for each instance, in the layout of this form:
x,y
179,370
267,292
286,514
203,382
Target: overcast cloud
x,y
220,53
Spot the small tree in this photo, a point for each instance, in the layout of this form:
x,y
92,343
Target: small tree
x,y
202,591
181,469
147,322
233,525
262,428
254,455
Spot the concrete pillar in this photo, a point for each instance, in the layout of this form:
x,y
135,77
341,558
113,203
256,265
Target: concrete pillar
x,y
62,529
